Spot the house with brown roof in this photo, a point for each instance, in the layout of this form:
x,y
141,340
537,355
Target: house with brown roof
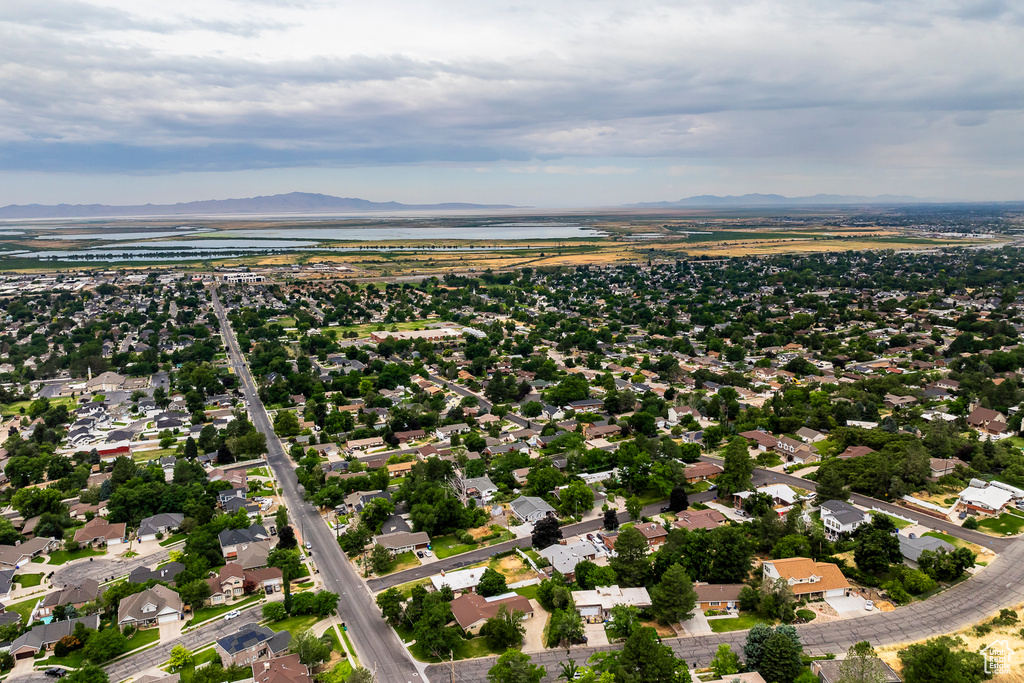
x,y
982,419
228,585
791,450
152,607
940,467
807,578
654,534
855,452
701,471
718,595
472,610
286,669
99,531
14,556
77,595
763,441
699,519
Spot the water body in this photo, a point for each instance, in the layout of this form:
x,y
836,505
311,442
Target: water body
x,y
506,231
138,234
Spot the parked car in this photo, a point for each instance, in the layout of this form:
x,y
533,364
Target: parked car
x,y
309,546
712,487
869,605
428,553
419,554
233,614
56,672
665,508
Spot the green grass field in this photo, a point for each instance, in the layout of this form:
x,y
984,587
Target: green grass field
x,y
446,546
744,621
406,588
15,408
1006,523
900,524
63,556
296,624
24,608
28,580
172,539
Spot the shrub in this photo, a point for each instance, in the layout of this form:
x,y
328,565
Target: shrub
x,y
806,614
971,522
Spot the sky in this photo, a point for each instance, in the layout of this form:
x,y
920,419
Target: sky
x,y
548,103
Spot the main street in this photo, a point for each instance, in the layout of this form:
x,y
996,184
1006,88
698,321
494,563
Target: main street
x,y
376,643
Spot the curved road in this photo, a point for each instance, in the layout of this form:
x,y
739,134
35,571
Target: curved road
x,y
376,643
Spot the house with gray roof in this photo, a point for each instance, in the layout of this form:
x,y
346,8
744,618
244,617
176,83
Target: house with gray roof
x,y
166,573
839,517
163,523
151,607
232,539
45,636
564,558
252,643
913,545
530,508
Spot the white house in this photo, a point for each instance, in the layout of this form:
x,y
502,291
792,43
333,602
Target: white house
x,y
530,508
841,518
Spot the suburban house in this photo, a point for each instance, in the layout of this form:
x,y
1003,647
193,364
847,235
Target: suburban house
x,y
913,545
227,495
828,671
228,585
940,467
596,605
232,540
987,420
699,519
530,508
654,534
167,573
84,591
781,495
463,580
480,488
99,531
158,524
855,452
17,555
700,471
152,607
400,469
792,450
356,445
252,643
809,435
6,583
983,500
718,595
807,578
564,558
747,677
840,517
472,610
45,636
763,441
286,669
403,541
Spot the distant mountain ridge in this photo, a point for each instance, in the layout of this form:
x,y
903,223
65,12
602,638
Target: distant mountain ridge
x,y
708,200
293,202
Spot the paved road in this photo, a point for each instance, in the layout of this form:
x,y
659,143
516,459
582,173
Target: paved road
x,y
160,653
375,642
998,586
102,568
463,559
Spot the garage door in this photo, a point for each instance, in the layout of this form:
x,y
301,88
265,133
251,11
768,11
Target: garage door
x,y
24,655
166,618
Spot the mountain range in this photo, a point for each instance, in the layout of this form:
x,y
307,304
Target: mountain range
x,y
293,202
752,200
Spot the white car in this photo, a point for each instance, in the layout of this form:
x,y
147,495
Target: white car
x,y
869,605
232,614
309,546
428,553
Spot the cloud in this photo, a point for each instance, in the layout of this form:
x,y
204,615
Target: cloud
x,y
119,86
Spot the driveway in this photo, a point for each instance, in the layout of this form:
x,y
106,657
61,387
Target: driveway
x,y
848,605
697,625
533,640
596,635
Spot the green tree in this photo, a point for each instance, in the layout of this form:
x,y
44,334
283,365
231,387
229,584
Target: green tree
x,y
644,660
877,546
311,650
380,559
725,661
611,520
565,627
390,604
360,675
830,484
861,665
287,561
590,575
106,644
273,611
431,630
491,583
781,661
635,507
753,649
286,424
191,449
90,673
546,532
281,517
739,468
180,656
630,563
674,598
505,629
514,667
936,661
624,620
195,593
576,498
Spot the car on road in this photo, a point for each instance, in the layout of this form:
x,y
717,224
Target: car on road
x,y
56,672
309,546
712,487
665,509
233,614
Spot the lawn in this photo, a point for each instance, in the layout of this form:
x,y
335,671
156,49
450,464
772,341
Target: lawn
x,y
258,472
15,408
406,560
466,649
446,546
205,613
145,456
28,580
338,674
900,523
1006,523
175,538
406,588
143,637
63,556
348,644
296,624
528,592
744,621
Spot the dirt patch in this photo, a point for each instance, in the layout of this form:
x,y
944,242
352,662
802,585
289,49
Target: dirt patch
x,y
480,532
512,568
884,606
663,631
